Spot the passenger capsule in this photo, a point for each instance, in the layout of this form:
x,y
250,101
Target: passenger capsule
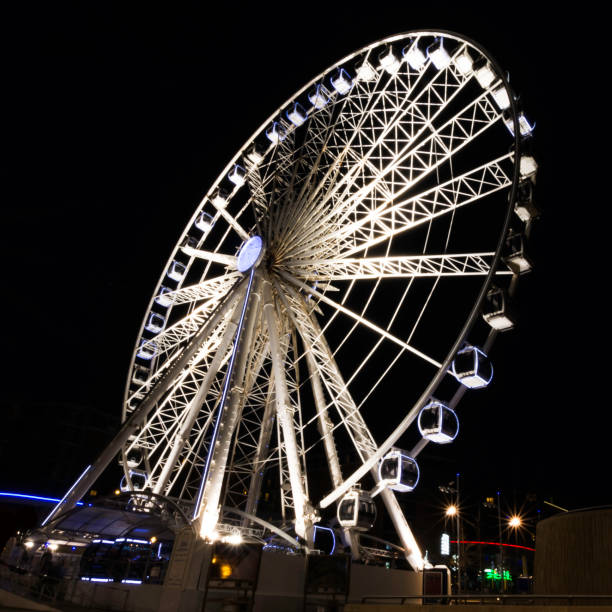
x,y
357,510
237,175
438,423
365,71
204,222
139,481
472,368
388,61
156,323
162,299
341,81
296,114
147,350
219,198
438,54
414,56
276,133
134,457
140,375
514,254
399,471
524,206
496,311
177,271
318,96
484,73
255,155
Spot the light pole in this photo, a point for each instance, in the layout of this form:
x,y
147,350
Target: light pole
x,y
453,511
501,548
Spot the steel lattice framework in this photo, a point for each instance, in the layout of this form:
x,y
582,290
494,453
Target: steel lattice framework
x,y
382,192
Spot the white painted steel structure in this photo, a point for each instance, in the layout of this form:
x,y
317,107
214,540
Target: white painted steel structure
x,y
382,193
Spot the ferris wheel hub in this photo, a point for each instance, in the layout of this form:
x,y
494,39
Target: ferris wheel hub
x,y
250,254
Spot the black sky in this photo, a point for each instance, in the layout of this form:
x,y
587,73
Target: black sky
x,y
116,120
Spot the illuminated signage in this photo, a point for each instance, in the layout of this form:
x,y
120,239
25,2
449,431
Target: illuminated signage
x,y
445,544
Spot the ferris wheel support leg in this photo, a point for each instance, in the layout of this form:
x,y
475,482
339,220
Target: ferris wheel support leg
x,y
267,427
137,418
195,406
207,506
411,548
304,515
326,429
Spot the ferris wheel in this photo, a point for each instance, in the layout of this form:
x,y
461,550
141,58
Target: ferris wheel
x,y
324,298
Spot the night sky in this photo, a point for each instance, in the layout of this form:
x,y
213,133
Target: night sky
x,y
115,123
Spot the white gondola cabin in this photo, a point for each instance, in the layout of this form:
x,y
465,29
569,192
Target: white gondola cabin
x,y
156,323
515,255
147,350
219,198
177,271
357,510
524,206
140,375
204,222
319,96
139,481
438,423
438,54
472,368
162,299
341,81
399,471
366,72
496,311
276,133
237,175
388,61
297,114
134,458
255,155
414,56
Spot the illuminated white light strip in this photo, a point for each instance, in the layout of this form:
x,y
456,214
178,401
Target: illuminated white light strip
x,y
65,496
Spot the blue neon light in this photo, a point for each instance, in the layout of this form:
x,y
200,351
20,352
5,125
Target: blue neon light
x,y
226,384
51,500
333,536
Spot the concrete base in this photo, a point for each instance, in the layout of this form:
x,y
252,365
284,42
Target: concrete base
x,y
10,601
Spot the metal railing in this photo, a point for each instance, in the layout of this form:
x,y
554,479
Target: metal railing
x,y
499,599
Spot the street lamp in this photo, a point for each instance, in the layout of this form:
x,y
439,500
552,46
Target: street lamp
x,y
515,522
452,511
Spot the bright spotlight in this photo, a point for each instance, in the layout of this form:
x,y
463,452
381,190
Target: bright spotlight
x,y
515,521
451,510
233,538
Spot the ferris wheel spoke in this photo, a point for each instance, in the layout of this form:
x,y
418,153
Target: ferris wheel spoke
x,y
232,222
386,220
393,120
193,408
407,266
409,166
175,335
205,290
340,308
361,112
226,260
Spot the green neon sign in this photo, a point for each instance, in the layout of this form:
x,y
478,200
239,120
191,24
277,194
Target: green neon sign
x,y
493,574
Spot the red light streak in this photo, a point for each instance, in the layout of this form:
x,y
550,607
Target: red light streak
x,y
494,544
